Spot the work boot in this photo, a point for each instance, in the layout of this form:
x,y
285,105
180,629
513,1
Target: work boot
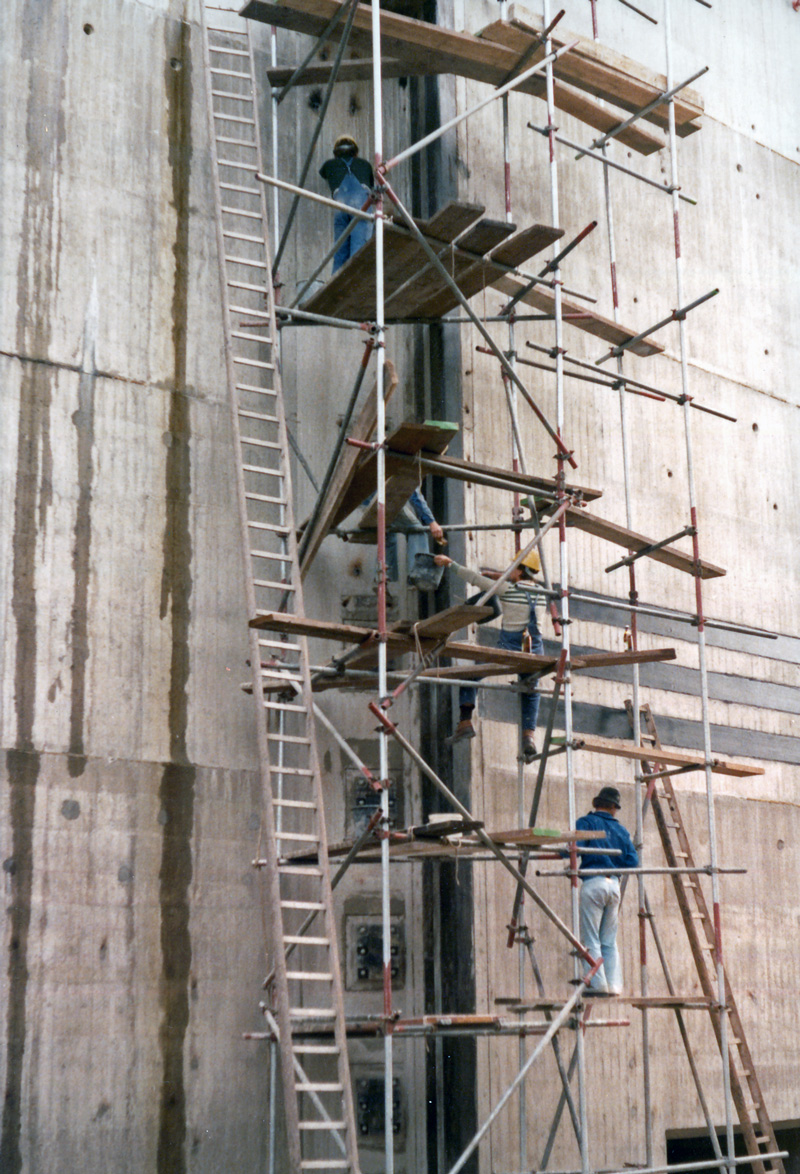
x,y
464,730
528,748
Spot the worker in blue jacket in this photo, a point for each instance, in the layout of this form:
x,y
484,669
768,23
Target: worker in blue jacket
x,y
600,895
350,178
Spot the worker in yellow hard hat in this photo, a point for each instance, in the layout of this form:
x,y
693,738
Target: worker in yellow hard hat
x,y
350,178
519,632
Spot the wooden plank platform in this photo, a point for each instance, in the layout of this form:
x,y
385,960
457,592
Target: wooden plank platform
x,y
400,640
415,47
619,749
598,70
413,288
621,536
409,439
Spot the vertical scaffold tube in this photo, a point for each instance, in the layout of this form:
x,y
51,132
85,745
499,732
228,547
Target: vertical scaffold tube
x,y
383,737
564,570
701,638
636,702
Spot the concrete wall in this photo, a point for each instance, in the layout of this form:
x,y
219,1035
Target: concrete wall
x,y
743,352
133,950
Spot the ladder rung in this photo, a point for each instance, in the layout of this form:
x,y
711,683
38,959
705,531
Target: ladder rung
x,y
278,674
700,916
301,940
237,187
241,236
236,97
229,73
258,416
251,337
262,366
315,905
251,265
233,118
250,216
318,1085
322,1124
267,527
309,976
247,310
296,770
277,644
292,738
258,390
300,870
229,51
269,585
259,289
325,1164
284,707
299,803
300,837
256,442
273,501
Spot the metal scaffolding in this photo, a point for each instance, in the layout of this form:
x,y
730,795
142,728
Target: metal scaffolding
x,y
570,1016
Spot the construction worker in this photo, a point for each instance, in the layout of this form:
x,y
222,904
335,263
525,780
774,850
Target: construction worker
x,y
519,632
350,178
600,895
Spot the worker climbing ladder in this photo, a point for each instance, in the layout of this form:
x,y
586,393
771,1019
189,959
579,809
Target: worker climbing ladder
x,y
305,984
755,1123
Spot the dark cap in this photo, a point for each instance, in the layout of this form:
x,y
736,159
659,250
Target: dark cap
x,y
608,797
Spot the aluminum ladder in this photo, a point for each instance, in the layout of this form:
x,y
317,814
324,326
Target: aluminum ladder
x,y
757,1131
307,1011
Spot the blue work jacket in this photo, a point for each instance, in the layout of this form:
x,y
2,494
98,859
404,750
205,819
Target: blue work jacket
x,y
616,836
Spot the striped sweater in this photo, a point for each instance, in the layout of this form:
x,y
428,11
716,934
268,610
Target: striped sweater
x,y
515,602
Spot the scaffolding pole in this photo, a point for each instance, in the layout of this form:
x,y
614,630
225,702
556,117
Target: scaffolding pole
x,y
701,639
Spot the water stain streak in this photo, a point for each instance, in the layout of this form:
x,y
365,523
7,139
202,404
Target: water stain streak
x,y
44,49
177,789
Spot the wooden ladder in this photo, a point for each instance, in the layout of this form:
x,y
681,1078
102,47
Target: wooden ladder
x,y
306,984
756,1126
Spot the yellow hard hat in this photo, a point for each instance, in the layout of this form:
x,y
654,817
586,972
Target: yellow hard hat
x,y
345,143
532,562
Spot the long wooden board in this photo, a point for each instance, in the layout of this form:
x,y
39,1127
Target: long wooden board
x,y
408,301
472,276
667,757
580,315
351,290
362,430
416,47
598,70
621,536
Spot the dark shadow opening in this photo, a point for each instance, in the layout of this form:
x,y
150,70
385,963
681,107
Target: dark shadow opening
x,y
693,1146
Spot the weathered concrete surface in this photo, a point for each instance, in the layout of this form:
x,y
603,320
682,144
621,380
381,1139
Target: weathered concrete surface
x,y
744,348
132,952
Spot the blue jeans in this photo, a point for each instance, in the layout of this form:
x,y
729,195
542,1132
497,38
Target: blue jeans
x,y
599,915
358,237
529,702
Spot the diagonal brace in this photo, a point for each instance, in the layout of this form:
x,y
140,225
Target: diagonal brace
x,y
509,370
